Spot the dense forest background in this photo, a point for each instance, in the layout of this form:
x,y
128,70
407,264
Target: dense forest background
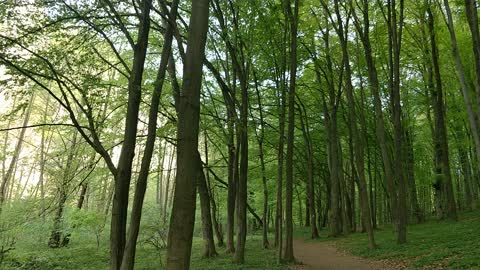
x,y
336,116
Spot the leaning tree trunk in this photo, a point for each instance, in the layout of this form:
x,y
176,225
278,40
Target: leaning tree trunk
x,y
16,154
124,168
128,260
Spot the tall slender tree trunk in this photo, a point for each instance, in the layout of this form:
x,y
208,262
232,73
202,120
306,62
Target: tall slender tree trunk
x,y
161,162
471,10
310,205
243,173
472,114
395,26
260,138
10,173
443,182
56,237
167,185
207,229
232,185
123,173
358,139
417,212
183,213
364,33
293,18
281,145
470,199
141,184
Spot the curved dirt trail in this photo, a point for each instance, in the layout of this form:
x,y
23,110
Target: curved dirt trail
x,y
323,256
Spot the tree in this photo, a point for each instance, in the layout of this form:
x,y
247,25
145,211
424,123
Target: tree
x,y
443,178
293,19
183,211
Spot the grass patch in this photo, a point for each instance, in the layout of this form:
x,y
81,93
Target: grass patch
x,y
82,254
255,258
445,244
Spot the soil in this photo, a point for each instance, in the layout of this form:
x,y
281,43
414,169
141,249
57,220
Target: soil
x,y
324,256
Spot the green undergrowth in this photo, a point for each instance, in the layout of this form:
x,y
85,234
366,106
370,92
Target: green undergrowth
x,y
255,258
431,245
83,254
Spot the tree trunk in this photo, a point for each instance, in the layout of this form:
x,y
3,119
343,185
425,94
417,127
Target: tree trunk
x,y
364,33
243,173
293,18
310,198
471,10
260,137
183,213
57,236
81,199
209,243
417,212
161,162
358,139
472,114
124,168
395,28
232,190
167,186
128,260
443,183
10,174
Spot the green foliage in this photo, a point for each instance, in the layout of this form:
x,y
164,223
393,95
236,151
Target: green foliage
x,y
255,258
87,222
82,253
153,230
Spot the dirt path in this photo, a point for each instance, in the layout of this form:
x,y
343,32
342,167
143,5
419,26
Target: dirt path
x,y
324,256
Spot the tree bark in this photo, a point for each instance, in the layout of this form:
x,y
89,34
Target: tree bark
x,y
293,18
128,260
260,137
358,139
471,10
183,213
124,168
311,215
56,237
364,33
472,114
442,184
167,186
417,212
10,174
209,244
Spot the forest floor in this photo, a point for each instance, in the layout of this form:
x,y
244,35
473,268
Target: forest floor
x,y
325,256
430,245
